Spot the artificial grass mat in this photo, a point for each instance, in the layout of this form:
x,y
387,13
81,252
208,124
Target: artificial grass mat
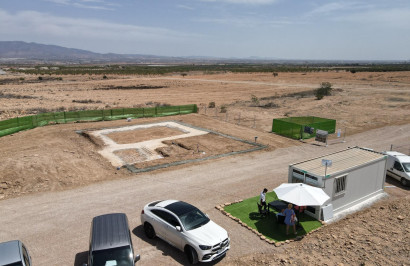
x,y
247,212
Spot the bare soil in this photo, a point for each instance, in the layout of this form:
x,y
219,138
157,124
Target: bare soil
x,y
139,135
53,177
196,147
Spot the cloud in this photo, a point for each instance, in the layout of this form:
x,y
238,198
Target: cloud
x,y
248,2
331,8
87,4
250,22
185,7
390,17
41,27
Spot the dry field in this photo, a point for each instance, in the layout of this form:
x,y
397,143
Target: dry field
x,y
56,162
359,101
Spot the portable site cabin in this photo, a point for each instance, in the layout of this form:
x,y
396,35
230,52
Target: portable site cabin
x,y
349,177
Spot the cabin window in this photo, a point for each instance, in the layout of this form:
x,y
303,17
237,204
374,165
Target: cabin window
x,y
340,184
297,176
311,177
298,172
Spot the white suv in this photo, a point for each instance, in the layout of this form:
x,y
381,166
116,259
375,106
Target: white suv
x,y
187,228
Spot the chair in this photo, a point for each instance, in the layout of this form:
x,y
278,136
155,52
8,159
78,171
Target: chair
x,y
280,219
263,212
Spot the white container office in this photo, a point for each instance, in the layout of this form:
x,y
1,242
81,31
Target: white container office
x,y
349,177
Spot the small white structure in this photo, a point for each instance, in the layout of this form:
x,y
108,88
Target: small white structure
x,y
349,177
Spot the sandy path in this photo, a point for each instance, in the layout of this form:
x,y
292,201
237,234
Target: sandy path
x,y
55,226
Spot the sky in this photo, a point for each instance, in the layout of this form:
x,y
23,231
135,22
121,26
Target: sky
x,y
267,29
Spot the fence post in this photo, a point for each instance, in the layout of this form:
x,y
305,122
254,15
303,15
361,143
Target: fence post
x,y
391,147
344,136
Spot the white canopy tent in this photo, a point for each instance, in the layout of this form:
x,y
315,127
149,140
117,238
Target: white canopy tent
x,y
301,194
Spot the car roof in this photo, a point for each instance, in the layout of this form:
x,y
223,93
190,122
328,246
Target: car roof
x,y
10,252
164,203
400,156
110,231
393,153
176,206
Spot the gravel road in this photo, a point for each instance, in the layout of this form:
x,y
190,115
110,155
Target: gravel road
x,y
55,226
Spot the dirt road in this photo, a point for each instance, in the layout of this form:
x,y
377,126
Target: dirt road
x,y
55,226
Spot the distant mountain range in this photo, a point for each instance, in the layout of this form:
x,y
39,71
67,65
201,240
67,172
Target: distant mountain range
x,y
18,51
23,52
35,53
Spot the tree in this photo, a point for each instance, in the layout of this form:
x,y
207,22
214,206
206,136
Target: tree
x,y
324,90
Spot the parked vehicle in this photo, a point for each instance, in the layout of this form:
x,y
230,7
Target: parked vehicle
x,y
14,253
398,166
110,241
187,228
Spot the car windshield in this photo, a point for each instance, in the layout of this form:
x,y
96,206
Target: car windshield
x,y
406,167
121,256
193,219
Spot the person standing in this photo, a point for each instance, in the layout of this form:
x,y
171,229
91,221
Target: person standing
x,y
290,219
263,198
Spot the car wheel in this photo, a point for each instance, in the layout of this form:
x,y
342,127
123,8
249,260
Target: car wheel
x,y
191,255
149,230
404,181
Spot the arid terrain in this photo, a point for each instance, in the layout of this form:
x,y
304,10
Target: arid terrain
x,y
53,180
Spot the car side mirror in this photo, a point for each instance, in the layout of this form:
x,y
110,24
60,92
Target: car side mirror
x,y
85,264
137,258
206,215
179,229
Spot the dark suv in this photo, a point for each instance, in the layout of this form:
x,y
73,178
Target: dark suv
x,y
14,253
110,241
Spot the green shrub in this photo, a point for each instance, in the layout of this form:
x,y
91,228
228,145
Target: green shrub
x,y
324,90
254,100
211,105
223,109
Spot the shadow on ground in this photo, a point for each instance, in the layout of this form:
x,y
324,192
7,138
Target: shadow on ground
x,y
167,249
81,258
394,182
